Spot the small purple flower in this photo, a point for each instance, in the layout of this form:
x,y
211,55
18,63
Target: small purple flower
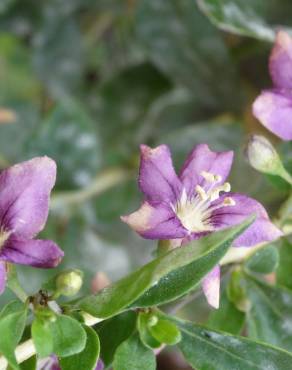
x,y
195,203
273,108
52,363
24,203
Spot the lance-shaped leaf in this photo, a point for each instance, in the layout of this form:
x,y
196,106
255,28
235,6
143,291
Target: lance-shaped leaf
x,y
170,275
205,349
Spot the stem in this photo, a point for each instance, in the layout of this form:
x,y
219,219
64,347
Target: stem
x,y
103,181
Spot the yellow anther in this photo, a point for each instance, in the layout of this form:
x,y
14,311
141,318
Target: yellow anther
x,y
201,192
208,176
229,202
217,178
226,187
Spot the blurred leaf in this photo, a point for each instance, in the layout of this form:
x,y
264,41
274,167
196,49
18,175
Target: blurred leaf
x,y
113,332
171,275
270,316
184,45
12,323
206,349
227,318
58,54
121,105
264,261
86,359
68,136
284,270
133,355
252,18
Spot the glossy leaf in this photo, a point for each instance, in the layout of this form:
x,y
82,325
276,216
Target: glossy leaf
x,y
62,336
205,349
86,359
270,316
165,332
12,324
264,261
143,327
171,275
113,332
133,355
245,17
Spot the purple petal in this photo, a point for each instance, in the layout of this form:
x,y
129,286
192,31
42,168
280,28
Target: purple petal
x,y
37,253
24,196
211,287
273,108
100,365
281,61
2,277
261,230
203,159
155,221
157,177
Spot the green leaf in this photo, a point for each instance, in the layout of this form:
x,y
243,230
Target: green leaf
x,y
62,336
113,332
86,359
143,327
247,17
263,261
133,355
206,349
177,38
42,337
270,316
12,324
171,275
236,290
30,364
181,280
165,332
227,318
284,271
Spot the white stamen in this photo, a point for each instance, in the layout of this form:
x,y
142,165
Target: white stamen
x,y
202,194
195,212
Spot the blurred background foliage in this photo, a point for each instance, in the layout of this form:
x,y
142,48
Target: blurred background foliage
x,y
87,81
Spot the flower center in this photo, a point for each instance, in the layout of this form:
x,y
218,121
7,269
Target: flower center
x,y
4,235
194,212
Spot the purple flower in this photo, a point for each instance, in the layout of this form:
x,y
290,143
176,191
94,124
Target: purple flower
x,y
195,203
24,203
52,363
273,108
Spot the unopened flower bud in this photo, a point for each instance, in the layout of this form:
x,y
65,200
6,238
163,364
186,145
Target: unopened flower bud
x,y
68,283
263,156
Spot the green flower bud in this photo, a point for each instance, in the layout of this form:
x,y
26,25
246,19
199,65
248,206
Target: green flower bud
x,y
68,283
263,156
